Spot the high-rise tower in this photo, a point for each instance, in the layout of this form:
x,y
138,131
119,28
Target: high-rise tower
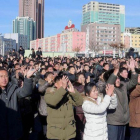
x,y
35,10
105,13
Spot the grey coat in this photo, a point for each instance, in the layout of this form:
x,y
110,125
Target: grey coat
x,y
10,119
120,115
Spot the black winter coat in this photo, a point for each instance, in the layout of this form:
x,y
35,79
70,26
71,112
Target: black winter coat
x,y
10,118
21,52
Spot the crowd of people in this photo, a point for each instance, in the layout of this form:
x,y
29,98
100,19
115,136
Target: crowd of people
x,y
69,98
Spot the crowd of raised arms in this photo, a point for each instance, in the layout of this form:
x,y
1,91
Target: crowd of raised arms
x,y
69,98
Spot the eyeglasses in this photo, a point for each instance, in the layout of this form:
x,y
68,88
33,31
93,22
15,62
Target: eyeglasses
x,y
4,76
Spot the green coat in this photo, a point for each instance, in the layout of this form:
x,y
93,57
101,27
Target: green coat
x,y
60,119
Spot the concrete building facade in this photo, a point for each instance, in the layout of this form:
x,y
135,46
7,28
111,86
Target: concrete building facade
x,y
21,40
35,10
101,34
126,39
25,26
6,45
104,13
68,41
134,30
130,40
135,40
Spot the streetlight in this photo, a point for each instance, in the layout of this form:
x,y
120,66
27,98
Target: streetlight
x,y
104,51
53,53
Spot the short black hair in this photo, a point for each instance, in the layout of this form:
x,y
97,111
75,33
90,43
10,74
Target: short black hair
x,y
49,66
105,64
122,69
100,61
16,65
31,60
70,67
88,88
47,74
122,63
77,76
42,70
64,64
86,65
3,69
58,78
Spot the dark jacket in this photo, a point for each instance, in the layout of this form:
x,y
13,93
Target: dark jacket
x,y
21,52
79,114
80,88
14,54
71,77
10,118
120,115
90,75
39,54
32,54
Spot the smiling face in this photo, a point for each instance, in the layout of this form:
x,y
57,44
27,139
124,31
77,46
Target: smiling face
x,y
94,93
118,82
106,67
86,68
81,79
72,70
124,74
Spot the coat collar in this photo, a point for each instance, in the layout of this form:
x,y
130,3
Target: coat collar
x,y
99,99
10,89
123,79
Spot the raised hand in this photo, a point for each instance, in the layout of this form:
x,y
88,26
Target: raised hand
x,y
116,68
30,72
78,70
88,79
65,81
132,64
110,90
70,87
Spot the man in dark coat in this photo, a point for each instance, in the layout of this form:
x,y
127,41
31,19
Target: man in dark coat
x,y
21,51
39,53
10,118
33,53
14,53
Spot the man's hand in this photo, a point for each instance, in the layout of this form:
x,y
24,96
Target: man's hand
x,y
109,90
65,80
70,87
88,79
132,64
29,73
116,68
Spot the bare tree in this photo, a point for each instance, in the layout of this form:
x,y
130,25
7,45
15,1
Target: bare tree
x,y
77,49
95,48
118,46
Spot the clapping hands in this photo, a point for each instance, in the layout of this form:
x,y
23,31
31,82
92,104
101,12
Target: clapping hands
x,y
29,73
110,90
